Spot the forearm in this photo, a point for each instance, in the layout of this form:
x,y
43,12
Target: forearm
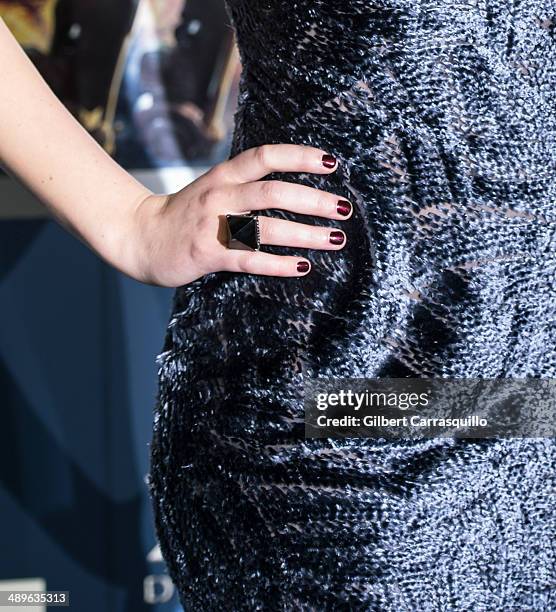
x,y
49,151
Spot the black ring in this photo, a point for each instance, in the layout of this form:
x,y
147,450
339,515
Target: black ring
x,y
243,232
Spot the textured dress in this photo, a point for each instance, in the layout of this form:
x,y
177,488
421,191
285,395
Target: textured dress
x,y
442,115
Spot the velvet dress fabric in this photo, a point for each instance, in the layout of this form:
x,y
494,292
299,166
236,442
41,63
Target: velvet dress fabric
x,y
442,114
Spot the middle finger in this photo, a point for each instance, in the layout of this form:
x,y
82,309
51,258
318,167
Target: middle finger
x,y
296,198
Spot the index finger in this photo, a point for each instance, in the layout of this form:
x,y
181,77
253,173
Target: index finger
x,y
258,162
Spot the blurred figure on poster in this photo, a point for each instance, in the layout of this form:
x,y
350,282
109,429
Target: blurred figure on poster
x,y
154,81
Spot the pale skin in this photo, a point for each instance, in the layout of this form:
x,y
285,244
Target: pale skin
x,y
167,240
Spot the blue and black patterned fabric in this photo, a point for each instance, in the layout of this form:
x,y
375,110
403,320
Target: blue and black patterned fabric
x,y
443,117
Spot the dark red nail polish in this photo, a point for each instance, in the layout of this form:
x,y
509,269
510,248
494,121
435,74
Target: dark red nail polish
x,y
344,208
303,266
329,161
337,238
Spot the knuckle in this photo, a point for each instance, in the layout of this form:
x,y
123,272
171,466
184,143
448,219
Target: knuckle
x,y
270,191
216,171
263,155
224,197
203,227
245,263
200,251
213,197
195,252
217,174
206,196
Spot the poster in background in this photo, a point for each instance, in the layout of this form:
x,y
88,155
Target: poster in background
x,y
155,82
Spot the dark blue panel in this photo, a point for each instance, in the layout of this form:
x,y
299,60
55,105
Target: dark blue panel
x,y
77,384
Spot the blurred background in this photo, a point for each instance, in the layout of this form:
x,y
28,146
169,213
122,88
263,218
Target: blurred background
x,y
155,82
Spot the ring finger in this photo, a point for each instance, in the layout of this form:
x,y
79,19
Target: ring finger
x,y
280,232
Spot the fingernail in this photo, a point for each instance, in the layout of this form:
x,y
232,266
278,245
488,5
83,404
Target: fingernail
x,y
329,161
303,266
337,237
343,208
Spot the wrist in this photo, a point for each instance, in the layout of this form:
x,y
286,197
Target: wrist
x,y
138,248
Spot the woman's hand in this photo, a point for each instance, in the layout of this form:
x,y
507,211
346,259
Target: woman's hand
x,y
179,238
163,240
